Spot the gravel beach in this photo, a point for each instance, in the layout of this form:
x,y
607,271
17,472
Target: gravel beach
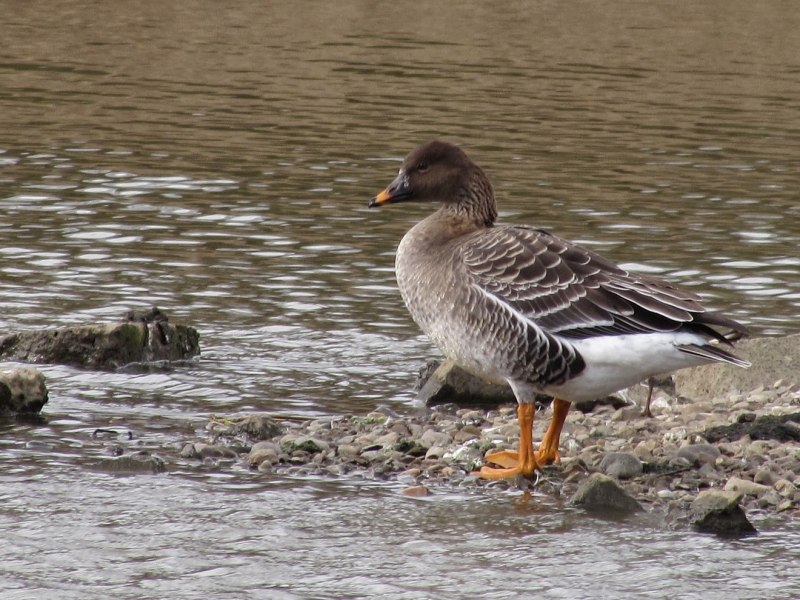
x,y
745,443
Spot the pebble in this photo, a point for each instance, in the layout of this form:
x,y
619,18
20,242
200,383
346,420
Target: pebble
x,y
623,465
743,486
699,454
444,446
434,438
416,491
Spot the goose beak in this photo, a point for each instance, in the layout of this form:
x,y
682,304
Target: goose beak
x,y
397,191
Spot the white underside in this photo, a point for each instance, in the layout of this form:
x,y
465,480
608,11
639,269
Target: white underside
x,y
616,362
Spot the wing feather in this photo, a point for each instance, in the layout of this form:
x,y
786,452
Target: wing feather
x,y
575,293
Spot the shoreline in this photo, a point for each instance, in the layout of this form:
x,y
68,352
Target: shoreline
x,y
663,462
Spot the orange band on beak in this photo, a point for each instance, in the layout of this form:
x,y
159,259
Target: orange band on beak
x,y
383,197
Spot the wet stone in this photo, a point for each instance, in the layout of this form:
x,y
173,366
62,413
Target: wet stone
x,y
22,391
444,446
137,462
719,512
602,493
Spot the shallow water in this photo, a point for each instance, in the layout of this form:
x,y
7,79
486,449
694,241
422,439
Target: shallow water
x,y
216,160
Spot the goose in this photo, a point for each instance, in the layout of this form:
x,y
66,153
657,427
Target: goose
x,y
518,304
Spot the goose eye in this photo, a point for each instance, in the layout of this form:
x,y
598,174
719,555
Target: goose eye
x,y
422,167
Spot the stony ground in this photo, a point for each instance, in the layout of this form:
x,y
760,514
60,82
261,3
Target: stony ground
x,y
748,443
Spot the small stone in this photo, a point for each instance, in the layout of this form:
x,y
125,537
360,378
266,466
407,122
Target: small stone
x,y
621,464
627,413
400,428
771,498
464,435
785,488
188,451
138,462
715,511
602,493
432,438
434,452
260,455
746,417
416,491
22,390
347,451
745,487
699,454
310,445
644,449
213,451
765,477
388,439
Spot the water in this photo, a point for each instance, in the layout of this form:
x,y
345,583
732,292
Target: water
x,y
216,160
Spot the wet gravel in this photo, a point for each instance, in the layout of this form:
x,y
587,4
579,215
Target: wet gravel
x,y
739,442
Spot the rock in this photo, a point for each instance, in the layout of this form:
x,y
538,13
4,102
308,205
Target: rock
x,y
434,438
22,391
699,454
416,491
773,358
783,428
105,346
785,488
715,511
622,465
602,493
246,429
138,462
745,487
450,383
614,401
306,444
213,451
262,452
435,452
765,477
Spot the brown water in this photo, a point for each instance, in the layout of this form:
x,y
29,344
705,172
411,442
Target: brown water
x,y
216,159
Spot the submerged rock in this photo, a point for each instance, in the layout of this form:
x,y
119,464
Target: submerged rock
x,y
715,511
22,391
137,462
142,338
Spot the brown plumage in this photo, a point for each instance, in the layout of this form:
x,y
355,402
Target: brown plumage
x,y
521,305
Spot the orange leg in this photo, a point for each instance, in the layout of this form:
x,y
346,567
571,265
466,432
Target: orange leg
x,y
515,463
548,450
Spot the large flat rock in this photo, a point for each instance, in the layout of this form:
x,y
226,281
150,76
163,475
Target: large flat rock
x,y
104,346
773,358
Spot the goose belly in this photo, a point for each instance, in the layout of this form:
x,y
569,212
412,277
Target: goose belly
x,y
617,362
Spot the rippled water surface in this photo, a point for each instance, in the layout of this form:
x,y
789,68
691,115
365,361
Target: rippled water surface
x,y
216,160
